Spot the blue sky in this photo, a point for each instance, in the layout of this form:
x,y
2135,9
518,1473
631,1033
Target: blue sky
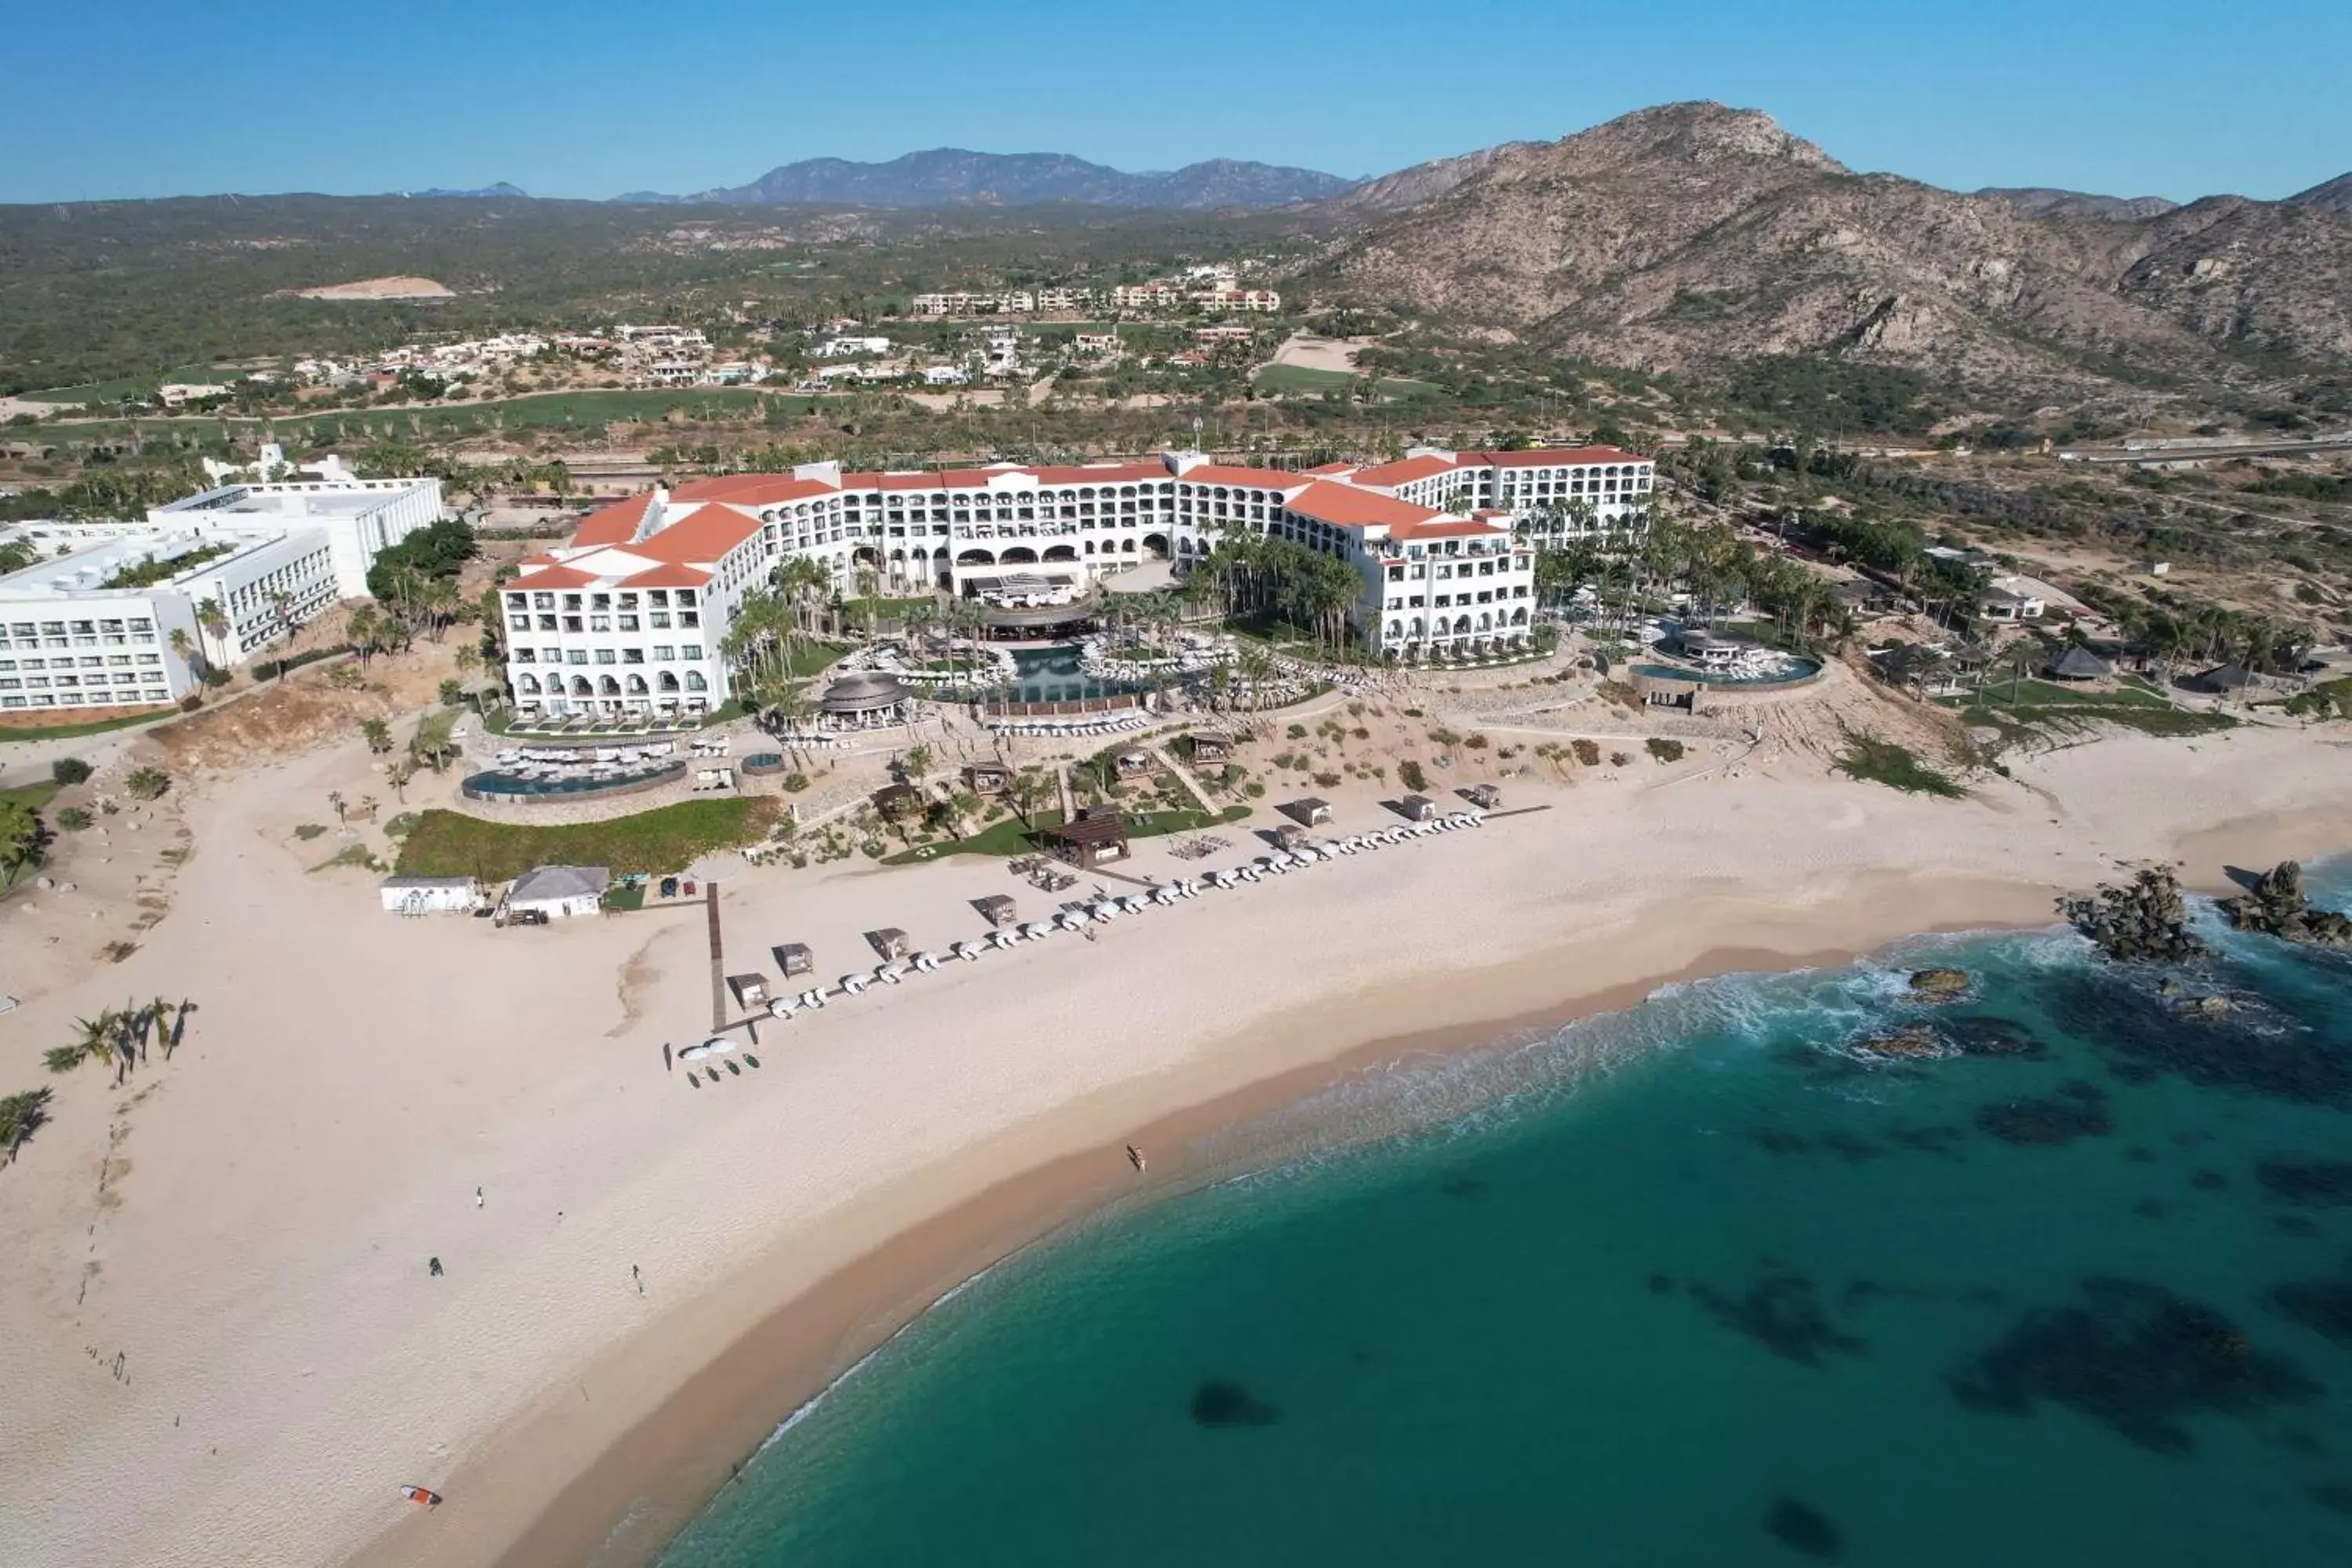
x,y
590,98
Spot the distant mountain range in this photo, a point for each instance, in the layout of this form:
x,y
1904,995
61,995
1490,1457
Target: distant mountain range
x,y
501,190
951,177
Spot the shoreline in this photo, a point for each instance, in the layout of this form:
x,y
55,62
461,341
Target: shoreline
x,y
664,1469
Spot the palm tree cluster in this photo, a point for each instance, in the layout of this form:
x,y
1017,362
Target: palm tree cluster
x,y
1256,576
1711,563
122,1038
2212,634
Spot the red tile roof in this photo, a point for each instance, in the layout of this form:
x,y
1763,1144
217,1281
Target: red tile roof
x,y
1405,470
1326,471
553,575
1345,506
667,575
703,535
1226,474
753,490
615,524
1441,526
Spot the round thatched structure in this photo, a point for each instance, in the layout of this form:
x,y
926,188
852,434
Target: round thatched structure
x,y
866,692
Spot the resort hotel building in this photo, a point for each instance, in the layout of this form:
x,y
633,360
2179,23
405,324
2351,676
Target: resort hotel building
x,y
629,619
90,623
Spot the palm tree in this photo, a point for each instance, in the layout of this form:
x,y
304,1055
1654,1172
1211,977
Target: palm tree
x,y
378,735
215,626
280,606
184,649
364,631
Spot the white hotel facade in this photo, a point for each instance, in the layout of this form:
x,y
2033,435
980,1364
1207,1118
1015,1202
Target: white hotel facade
x,y
269,554
629,616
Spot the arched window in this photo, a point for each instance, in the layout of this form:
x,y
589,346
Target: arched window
x,y
694,682
528,685
637,686
580,687
668,681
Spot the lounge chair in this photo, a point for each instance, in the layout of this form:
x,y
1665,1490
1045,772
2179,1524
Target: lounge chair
x,y
1004,938
969,951
782,1008
813,999
852,984
1134,904
888,973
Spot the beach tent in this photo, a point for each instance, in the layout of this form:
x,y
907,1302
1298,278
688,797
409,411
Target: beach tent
x,y
2079,664
2221,678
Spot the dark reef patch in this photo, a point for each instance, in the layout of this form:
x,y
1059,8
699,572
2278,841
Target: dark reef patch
x,y
1782,1311
1988,1037
2324,1183
1217,1402
2137,1026
2078,1109
2136,1358
1801,1527
2322,1306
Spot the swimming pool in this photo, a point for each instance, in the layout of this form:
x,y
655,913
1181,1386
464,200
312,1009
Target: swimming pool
x,y
1785,669
1056,674
505,783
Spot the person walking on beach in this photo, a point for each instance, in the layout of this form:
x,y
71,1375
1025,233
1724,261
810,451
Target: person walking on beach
x,y
666,1064
477,1198
1134,1158
433,1266
638,1277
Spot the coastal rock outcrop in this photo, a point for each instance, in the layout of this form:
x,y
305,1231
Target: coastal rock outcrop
x,y
1939,984
1910,1042
2277,906
2145,918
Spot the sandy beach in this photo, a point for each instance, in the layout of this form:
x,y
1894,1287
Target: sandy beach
x,y
224,1278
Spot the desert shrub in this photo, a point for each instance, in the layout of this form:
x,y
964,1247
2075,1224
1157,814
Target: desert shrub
x,y
401,826
1297,731
147,784
1587,752
1409,774
1328,781
795,782
1619,759
309,831
73,818
1665,750
1476,743
69,771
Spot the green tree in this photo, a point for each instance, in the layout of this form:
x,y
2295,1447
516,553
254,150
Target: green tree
x,y
21,839
147,784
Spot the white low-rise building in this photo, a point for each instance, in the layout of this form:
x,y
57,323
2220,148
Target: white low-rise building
x,y
92,623
629,619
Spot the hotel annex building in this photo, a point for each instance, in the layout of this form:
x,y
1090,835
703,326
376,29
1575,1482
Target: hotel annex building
x,y
628,617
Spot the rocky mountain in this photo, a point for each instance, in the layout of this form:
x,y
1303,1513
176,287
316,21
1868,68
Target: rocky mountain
x,y
1420,184
1693,233
2039,201
951,177
2334,196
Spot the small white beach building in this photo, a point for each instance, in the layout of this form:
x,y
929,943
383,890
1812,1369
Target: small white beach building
x,y
558,892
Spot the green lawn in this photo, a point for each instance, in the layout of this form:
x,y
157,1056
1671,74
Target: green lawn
x,y
1008,837
666,839
96,727
2037,704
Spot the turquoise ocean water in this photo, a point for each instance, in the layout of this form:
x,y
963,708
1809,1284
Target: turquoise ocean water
x,y
1692,1284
